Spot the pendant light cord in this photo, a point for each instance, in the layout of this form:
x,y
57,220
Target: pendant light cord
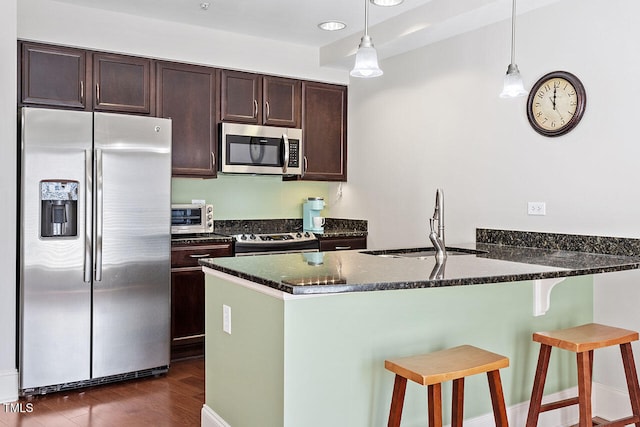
x,y
513,32
366,17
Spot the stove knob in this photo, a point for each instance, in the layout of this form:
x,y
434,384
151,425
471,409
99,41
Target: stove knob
x,y
298,234
252,237
306,234
243,237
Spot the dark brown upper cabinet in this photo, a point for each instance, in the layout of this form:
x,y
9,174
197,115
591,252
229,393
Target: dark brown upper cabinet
x,y
53,76
282,103
123,83
261,100
186,94
324,130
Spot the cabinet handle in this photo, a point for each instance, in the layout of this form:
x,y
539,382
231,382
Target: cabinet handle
x,y
98,93
266,104
255,108
199,255
213,159
304,166
81,91
342,248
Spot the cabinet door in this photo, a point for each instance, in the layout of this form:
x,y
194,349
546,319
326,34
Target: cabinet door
x,y
241,97
53,76
187,313
282,101
186,94
122,83
324,130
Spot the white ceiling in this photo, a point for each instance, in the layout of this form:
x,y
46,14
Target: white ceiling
x,y
394,30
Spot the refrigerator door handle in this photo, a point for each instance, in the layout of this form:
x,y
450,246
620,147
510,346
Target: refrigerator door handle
x,y
88,215
98,216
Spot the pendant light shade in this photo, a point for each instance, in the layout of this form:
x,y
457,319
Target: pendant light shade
x,y
366,65
513,86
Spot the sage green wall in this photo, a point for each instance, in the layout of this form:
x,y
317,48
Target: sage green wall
x,y
248,196
332,349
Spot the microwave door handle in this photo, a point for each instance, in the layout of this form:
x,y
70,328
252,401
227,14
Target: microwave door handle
x,y
285,140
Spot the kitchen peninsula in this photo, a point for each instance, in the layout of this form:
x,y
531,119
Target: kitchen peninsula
x,y
301,339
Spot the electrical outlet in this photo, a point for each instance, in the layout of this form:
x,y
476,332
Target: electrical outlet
x,y
536,208
226,319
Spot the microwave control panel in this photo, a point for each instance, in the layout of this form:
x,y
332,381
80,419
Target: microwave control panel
x,y
294,153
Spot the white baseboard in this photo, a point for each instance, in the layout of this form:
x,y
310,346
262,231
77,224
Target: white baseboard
x,y
209,418
8,386
517,414
610,403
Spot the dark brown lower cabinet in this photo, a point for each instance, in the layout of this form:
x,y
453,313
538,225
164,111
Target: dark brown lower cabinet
x,y
187,297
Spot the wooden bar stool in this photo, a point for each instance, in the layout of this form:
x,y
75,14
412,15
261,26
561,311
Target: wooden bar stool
x,y
453,364
582,340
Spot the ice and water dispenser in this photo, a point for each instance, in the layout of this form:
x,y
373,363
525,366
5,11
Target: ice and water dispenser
x,y
58,208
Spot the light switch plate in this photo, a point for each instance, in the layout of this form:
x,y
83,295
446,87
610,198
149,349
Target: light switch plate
x,y
226,319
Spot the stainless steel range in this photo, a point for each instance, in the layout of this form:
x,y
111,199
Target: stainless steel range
x,y
262,244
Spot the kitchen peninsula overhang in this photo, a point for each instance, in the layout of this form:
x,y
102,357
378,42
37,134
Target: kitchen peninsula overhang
x,y
502,256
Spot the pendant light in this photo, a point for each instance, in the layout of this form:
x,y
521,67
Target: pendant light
x,y
513,86
366,65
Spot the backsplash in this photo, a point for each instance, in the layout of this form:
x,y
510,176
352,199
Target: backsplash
x,y
333,225
249,196
566,242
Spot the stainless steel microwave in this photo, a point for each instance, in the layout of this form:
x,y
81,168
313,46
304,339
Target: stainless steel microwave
x,y
191,218
260,150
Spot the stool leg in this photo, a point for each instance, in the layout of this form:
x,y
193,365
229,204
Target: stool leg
x,y
497,399
457,406
584,388
434,393
538,385
397,401
632,379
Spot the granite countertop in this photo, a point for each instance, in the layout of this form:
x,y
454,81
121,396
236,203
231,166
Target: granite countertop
x,y
226,229
203,238
357,270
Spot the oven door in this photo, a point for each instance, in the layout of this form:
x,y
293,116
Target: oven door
x,y
260,150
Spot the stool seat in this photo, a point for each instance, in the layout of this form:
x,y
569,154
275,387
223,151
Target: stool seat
x,y
586,337
447,365
453,364
583,340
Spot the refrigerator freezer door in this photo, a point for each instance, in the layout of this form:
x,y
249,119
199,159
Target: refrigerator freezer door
x,y
55,299
131,299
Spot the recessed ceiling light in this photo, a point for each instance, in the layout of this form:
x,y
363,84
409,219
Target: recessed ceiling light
x,y
332,25
386,2
204,6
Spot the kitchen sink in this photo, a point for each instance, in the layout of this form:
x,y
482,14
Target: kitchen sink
x,y
421,253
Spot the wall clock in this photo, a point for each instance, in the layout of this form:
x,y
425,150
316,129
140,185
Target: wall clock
x,y
556,103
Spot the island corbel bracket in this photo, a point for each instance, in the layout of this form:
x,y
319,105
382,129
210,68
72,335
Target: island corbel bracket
x,y
542,294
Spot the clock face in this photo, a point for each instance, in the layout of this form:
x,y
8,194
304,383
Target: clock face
x,y
556,103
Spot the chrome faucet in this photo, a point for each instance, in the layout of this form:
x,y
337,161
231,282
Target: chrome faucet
x,y
437,236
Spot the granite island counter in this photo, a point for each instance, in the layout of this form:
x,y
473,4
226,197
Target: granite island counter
x,y
301,339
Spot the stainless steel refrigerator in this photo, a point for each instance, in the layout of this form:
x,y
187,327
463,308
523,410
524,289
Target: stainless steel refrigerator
x,y
94,248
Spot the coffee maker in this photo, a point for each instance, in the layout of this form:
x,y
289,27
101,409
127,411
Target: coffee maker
x,y
311,218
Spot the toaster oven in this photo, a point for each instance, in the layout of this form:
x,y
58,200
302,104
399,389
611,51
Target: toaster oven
x,y
191,218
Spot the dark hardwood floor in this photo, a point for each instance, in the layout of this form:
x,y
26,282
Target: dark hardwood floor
x,y
174,399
